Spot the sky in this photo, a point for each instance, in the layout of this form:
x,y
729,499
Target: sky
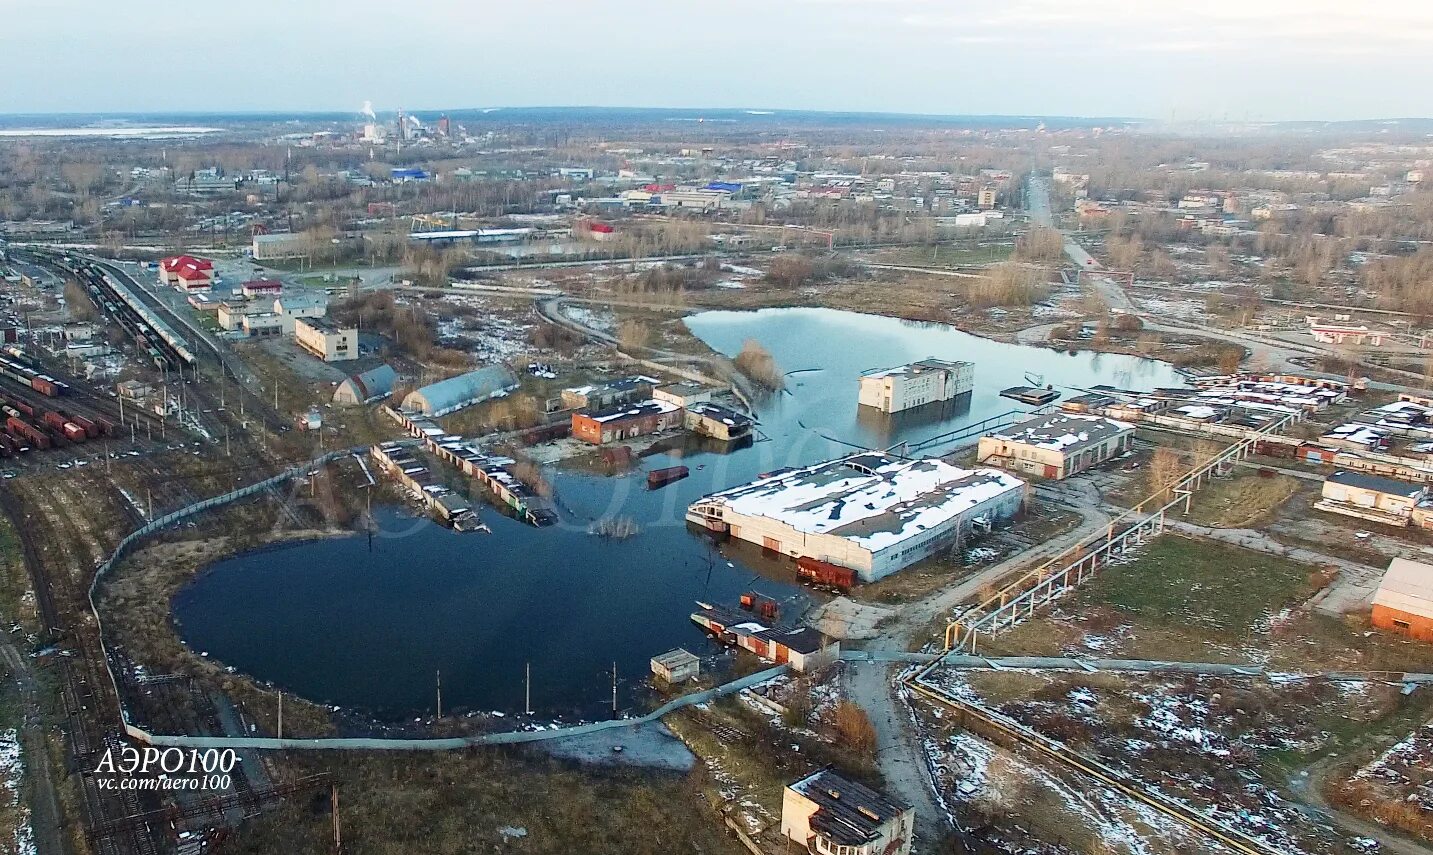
x,y
1262,60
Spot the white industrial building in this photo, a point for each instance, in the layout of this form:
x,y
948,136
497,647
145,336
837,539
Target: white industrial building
x,y
870,512
928,381
1056,445
455,393
826,814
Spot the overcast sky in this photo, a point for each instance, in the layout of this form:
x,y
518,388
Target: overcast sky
x,y
1159,59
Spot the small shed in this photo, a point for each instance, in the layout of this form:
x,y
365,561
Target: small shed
x,y
676,666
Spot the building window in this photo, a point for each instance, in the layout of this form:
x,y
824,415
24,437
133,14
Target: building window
x,y
1402,624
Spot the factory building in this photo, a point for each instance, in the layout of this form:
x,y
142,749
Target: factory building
x,y
262,325
455,393
326,339
870,512
370,385
231,314
1404,600
281,245
928,381
683,394
626,421
1056,445
676,666
601,396
187,273
827,814
716,421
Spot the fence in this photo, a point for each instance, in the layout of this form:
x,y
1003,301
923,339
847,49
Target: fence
x,y
1056,577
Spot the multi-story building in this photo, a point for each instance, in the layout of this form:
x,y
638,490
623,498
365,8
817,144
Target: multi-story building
x,y
928,381
280,245
187,273
325,339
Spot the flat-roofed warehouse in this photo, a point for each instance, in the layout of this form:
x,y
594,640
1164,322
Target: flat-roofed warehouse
x,y
1056,445
870,512
446,396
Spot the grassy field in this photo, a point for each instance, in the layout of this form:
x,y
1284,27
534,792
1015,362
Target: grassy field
x,y
1209,587
943,256
1242,501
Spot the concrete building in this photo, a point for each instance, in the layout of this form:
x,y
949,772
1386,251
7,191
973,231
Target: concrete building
x,y
1371,497
626,421
291,307
280,245
683,394
231,314
676,666
600,396
455,393
869,512
928,381
986,198
325,339
716,421
366,386
1403,602
262,325
1056,445
827,814
187,273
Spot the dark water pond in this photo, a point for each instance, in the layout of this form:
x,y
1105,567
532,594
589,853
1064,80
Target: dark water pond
x,y
368,623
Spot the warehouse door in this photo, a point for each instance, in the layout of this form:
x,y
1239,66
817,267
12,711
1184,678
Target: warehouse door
x,y
1052,471
771,543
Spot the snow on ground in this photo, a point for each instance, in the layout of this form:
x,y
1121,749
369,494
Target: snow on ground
x,y
1405,770
12,773
598,319
1196,739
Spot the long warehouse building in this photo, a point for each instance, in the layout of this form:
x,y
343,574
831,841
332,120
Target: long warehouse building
x,y
870,512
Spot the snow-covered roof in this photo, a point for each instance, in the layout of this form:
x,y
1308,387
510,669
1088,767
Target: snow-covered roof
x,y
871,499
915,368
655,406
1066,432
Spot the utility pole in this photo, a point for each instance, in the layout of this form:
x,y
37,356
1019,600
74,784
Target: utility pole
x,y
337,827
439,679
149,502
614,690
281,713
527,695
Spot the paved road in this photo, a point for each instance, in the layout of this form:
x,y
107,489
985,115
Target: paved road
x,y
890,633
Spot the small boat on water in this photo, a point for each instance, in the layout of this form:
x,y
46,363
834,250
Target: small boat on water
x,y
1030,394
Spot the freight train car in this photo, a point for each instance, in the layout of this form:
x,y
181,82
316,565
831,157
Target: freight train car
x,y
28,432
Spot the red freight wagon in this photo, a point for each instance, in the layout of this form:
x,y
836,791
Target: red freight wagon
x,y
74,433
92,430
826,573
55,420
27,432
45,386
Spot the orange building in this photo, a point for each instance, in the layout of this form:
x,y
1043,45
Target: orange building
x,y
1404,600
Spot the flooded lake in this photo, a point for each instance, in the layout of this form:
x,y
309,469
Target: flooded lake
x,y
368,623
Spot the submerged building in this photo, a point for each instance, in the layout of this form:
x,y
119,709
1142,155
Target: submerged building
x,y
870,512
904,387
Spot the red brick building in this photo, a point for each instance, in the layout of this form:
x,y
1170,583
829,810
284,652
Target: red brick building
x,y
626,421
1404,600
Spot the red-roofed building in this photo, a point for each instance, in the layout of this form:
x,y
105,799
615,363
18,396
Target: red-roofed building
x,y
262,288
187,273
